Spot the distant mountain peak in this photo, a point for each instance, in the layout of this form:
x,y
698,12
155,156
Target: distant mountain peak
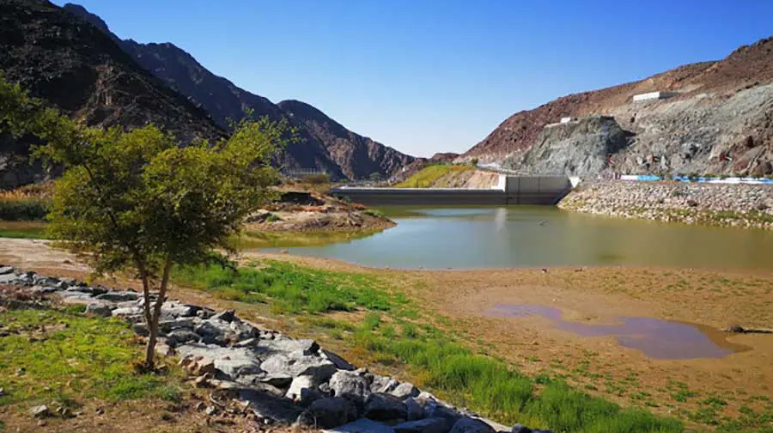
x,y
325,144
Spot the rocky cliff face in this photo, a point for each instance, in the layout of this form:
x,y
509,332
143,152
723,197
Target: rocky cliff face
x,y
83,72
578,148
720,120
324,144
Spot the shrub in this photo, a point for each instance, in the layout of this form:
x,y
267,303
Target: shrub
x,y
26,209
316,179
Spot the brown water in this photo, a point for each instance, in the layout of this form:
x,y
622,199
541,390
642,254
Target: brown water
x,y
658,339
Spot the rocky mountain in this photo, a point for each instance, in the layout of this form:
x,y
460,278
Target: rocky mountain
x,y
324,144
357,156
82,71
717,118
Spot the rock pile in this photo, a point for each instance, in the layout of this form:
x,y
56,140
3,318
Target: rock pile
x,y
278,378
740,205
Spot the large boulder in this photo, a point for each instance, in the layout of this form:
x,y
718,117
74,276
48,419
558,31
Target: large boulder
x,y
350,385
238,364
471,425
385,407
280,365
328,413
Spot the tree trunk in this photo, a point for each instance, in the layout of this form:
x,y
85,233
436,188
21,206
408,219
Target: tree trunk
x,y
146,309
155,316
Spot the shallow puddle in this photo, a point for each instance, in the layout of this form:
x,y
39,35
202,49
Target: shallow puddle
x,y
658,339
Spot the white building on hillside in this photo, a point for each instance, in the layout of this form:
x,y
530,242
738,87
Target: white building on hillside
x,y
652,96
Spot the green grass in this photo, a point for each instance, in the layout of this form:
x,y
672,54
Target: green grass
x,y
24,209
74,358
291,288
23,230
375,213
253,239
427,176
435,358
492,387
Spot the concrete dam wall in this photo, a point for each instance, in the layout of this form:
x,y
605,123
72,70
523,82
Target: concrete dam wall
x,y
510,190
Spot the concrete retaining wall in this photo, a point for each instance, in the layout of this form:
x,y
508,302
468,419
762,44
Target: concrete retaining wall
x,y
512,190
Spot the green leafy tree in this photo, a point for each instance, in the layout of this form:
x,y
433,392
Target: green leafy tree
x,y
139,201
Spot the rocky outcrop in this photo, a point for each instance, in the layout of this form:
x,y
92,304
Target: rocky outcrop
x,y
579,148
86,74
323,143
279,379
719,121
739,205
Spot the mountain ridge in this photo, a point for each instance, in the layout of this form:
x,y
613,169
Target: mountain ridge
x,y
318,148
698,85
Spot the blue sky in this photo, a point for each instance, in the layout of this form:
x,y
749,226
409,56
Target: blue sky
x,y
427,76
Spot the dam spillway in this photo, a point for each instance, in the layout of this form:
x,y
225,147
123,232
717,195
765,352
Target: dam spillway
x,y
510,190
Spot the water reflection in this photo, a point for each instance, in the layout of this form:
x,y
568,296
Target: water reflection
x,y
517,236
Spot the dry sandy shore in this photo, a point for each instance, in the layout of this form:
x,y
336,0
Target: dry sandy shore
x,y
714,300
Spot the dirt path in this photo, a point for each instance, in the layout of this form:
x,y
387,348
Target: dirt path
x,y
714,300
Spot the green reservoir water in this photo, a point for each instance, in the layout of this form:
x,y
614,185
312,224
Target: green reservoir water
x,y
521,236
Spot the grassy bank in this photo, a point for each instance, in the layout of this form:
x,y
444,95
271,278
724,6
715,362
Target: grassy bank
x,y
389,330
62,358
288,239
23,229
427,176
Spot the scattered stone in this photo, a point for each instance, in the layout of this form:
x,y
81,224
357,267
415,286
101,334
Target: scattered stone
x,y
328,413
281,365
2,392
350,385
299,384
385,407
210,411
427,425
471,425
5,270
163,349
116,296
181,336
405,390
101,310
383,384
736,329
225,316
339,362
41,411
93,291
